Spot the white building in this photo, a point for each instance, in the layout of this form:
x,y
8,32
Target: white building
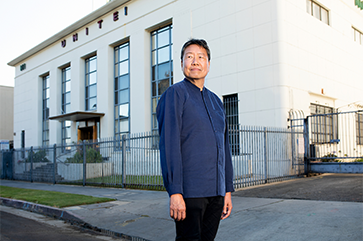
x,y
102,76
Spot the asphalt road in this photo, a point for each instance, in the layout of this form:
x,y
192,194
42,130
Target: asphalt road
x,y
19,225
327,187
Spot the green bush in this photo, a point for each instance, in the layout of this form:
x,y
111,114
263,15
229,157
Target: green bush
x,y
359,160
330,157
39,156
92,156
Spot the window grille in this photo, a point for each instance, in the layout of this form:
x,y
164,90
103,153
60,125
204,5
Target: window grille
x,y
230,103
324,124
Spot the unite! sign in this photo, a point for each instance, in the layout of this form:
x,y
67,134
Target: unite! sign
x,y
99,22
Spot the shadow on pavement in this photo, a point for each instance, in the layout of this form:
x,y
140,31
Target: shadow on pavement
x,y
326,187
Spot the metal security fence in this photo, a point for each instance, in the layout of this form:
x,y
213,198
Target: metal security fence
x,y
266,155
260,155
335,137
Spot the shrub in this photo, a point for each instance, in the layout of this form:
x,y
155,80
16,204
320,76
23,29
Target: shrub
x,y
92,156
330,157
39,156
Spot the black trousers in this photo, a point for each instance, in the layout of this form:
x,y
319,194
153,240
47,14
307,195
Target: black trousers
x,y
202,219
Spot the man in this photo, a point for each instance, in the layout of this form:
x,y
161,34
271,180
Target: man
x,y
194,149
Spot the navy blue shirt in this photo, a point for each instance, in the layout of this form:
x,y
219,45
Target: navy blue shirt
x,y
194,145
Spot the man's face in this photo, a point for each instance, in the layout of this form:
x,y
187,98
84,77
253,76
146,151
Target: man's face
x,y
195,63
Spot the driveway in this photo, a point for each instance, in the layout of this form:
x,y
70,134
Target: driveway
x,y
326,187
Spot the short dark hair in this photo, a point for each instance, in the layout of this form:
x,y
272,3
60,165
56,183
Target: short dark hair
x,y
200,42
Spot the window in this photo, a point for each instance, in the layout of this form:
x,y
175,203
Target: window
x,y
359,125
161,66
122,90
45,118
317,11
324,124
66,104
66,133
230,103
357,36
66,90
91,83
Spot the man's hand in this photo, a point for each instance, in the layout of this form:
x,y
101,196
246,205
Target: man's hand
x,y
177,207
227,208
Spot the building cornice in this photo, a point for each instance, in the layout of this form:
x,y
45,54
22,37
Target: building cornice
x,y
70,29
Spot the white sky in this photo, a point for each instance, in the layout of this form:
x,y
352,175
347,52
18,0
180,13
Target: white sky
x,y
27,23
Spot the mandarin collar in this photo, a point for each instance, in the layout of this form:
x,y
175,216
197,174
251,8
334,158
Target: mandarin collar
x,y
194,86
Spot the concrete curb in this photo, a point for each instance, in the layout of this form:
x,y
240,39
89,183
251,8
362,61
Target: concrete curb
x,y
64,215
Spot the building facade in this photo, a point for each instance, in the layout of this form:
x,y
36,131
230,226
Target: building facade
x,y
7,115
103,75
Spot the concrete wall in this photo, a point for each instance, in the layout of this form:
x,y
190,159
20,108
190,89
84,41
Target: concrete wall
x,y
6,113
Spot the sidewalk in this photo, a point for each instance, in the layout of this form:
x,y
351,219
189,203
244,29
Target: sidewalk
x,y
145,214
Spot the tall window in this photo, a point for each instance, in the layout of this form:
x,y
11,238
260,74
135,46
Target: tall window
x,y
161,66
317,11
230,103
122,90
358,36
45,118
91,83
359,125
66,104
324,124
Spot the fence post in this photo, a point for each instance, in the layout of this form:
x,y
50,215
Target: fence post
x,y
84,163
31,163
2,175
54,161
123,143
306,144
265,149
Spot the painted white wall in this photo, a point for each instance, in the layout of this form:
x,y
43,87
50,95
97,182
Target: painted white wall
x,y
271,52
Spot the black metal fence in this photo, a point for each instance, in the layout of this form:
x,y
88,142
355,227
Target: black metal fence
x,y
260,155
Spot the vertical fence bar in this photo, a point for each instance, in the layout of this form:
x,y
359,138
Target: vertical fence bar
x,y
265,151
84,163
306,146
54,162
31,163
123,172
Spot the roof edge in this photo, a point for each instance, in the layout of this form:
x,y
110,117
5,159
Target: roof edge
x,y
82,22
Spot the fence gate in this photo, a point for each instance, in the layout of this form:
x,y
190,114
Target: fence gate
x,y
335,142
7,165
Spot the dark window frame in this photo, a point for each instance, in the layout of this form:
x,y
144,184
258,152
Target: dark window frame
x,y
88,86
324,124
45,112
66,125
310,9
359,127
230,104
121,89
160,82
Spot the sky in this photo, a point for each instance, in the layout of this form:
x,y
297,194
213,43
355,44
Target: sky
x,y
27,23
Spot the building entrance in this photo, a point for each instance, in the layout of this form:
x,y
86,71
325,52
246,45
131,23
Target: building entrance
x,y
88,130
86,133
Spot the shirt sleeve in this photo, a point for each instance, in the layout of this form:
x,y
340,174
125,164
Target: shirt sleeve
x,y
228,161
169,114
